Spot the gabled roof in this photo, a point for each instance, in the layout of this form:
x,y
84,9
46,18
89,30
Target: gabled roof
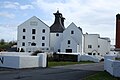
x,y
73,25
34,17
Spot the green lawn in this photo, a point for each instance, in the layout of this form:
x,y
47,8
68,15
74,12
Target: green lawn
x,y
101,76
61,63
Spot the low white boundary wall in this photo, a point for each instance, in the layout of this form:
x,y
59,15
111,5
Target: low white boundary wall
x,y
15,54
17,61
89,58
112,66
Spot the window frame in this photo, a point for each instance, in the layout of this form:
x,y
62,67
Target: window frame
x,y
23,37
43,30
43,37
43,44
68,42
24,30
72,32
89,46
33,31
23,43
33,37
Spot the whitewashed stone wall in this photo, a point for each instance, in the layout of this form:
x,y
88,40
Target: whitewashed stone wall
x,y
23,61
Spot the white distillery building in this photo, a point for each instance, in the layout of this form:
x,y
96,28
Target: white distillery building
x,y
34,35
72,39
95,45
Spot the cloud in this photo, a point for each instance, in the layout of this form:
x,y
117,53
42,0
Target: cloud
x,y
7,15
8,4
93,16
15,5
23,7
8,32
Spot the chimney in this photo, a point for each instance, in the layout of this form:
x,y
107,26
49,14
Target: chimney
x,y
117,45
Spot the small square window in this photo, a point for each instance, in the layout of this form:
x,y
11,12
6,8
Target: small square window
x,y
68,41
33,31
24,30
43,37
23,44
57,34
33,37
72,32
98,53
23,37
98,46
89,46
43,44
43,31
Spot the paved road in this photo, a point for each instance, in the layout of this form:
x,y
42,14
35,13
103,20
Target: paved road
x,y
71,72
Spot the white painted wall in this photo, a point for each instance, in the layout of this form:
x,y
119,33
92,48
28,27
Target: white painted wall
x,y
73,45
77,36
91,39
112,66
15,54
33,23
104,46
55,41
23,61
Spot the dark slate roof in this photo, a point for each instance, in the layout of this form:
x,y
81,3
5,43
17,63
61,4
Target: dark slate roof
x,y
56,28
58,25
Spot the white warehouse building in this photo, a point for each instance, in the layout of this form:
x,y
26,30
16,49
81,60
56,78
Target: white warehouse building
x,y
34,35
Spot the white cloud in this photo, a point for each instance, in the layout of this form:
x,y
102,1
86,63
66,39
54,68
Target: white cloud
x,y
94,16
15,5
23,7
8,32
7,4
7,15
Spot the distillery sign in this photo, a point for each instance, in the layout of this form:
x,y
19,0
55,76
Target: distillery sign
x,y
2,60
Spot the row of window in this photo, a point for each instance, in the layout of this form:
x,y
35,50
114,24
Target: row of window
x,y
34,31
43,31
32,44
33,37
90,46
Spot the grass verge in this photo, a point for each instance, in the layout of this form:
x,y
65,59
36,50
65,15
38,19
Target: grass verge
x,y
101,76
61,63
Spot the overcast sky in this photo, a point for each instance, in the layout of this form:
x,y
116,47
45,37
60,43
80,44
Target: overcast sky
x,y
93,16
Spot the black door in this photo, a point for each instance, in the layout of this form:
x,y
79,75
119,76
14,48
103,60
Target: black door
x,y
68,50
